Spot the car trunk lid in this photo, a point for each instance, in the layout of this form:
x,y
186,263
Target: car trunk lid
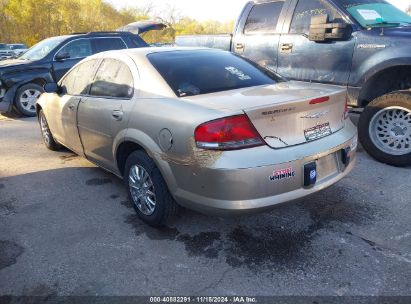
x,y
299,121
285,114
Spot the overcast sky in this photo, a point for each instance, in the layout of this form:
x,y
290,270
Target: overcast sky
x,y
222,10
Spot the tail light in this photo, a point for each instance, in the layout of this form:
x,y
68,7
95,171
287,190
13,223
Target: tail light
x,y
346,112
231,133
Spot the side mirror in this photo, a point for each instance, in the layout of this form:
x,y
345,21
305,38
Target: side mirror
x,y
62,55
321,30
51,87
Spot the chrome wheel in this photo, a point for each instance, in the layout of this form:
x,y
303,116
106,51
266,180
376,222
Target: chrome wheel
x,y
45,131
28,99
142,190
390,130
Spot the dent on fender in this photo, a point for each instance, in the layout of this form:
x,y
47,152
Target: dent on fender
x,y
195,157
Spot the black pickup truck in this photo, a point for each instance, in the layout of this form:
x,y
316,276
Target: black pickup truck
x,y
364,45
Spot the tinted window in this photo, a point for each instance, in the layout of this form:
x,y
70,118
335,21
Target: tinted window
x,y
108,44
77,49
77,82
263,18
113,79
137,42
308,8
201,72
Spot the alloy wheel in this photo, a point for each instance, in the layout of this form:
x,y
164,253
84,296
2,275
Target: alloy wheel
x,y
390,130
28,99
142,190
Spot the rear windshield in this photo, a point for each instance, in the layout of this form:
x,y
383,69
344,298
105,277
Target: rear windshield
x,y
199,72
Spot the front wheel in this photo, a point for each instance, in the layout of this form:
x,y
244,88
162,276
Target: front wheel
x,y
26,99
385,128
147,190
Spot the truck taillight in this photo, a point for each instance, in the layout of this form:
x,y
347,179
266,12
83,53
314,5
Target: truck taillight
x,y
346,112
230,133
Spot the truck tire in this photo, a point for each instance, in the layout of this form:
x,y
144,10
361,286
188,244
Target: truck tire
x,y
26,99
385,128
147,190
48,138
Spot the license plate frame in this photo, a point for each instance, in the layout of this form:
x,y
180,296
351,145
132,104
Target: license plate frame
x,y
317,132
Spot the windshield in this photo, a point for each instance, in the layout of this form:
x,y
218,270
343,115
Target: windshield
x,y
376,13
4,47
191,73
42,49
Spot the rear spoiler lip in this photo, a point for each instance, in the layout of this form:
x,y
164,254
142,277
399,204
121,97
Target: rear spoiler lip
x,y
141,27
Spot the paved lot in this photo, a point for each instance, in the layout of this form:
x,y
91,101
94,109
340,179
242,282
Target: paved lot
x,y
66,228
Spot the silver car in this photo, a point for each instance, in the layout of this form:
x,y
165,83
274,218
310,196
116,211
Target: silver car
x,y
200,128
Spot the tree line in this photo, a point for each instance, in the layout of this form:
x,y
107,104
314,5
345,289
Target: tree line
x,y
30,21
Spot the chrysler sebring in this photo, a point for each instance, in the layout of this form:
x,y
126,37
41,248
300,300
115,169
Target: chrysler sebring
x,y
200,128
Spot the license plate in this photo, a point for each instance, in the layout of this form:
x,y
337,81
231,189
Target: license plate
x,y
317,132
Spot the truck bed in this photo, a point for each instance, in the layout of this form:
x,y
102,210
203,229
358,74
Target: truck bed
x,y
222,41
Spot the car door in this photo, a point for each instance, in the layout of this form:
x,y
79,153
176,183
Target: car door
x,y
69,55
305,60
62,112
103,116
259,36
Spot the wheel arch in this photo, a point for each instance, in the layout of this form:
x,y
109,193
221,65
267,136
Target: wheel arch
x,y
138,141
387,80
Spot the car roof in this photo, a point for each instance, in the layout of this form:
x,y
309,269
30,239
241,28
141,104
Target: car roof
x,y
143,52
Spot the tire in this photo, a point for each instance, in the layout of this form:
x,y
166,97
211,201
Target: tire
x,y
385,128
48,139
140,196
26,98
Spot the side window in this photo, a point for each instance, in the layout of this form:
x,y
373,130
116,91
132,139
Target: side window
x,y
306,9
113,79
77,82
108,44
77,49
263,18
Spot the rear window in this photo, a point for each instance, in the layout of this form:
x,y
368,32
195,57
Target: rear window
x,y
200,72
108,44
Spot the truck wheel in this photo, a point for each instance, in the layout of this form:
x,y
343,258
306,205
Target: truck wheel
x,y
46,133
26,99
385,128
147,190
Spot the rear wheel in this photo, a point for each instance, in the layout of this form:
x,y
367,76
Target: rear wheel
x,y
26,99
385,128
46,133
147,190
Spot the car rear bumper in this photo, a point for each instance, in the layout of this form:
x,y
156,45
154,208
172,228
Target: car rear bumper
x,y
232,186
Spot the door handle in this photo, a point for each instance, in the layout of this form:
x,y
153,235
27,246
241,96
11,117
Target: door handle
x,y
286,47
71,107
117,115
239,47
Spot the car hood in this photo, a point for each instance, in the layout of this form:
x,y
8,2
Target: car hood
x,y
141,27
19,65
400,31
13,62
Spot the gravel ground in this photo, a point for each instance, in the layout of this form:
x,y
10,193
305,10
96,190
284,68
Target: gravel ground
x,y
66,228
